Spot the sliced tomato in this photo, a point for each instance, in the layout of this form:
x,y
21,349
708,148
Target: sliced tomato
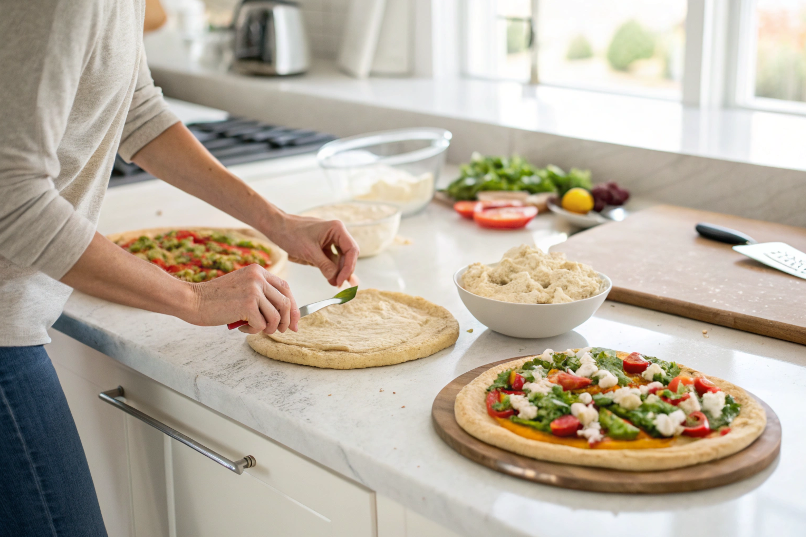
x,y
565,426
465,208
160,263
184,234
514,392
678,380
676,400
505,217
655,389
518,383
176,268
699,425
634,363
569,381
492,398
703,385
724,431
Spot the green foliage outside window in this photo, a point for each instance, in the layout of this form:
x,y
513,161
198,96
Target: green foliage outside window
x,y
630,43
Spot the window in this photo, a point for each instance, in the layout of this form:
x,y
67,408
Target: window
x,y
745,53
772,56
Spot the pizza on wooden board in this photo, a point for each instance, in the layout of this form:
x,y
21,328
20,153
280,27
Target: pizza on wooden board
x,y
202,254
609,409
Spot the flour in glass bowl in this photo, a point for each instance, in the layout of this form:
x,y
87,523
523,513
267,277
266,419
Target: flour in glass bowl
x,y
526,275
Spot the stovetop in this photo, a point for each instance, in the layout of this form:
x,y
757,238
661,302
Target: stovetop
x,y
236,141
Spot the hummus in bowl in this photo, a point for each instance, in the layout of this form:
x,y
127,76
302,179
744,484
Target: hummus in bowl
x,y
531,295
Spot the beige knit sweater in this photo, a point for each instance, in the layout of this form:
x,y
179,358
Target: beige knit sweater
x,y
74,89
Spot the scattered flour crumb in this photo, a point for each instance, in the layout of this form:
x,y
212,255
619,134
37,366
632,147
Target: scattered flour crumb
x,y
526,275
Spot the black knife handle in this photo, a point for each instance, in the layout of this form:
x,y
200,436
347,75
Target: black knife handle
x,y
723,234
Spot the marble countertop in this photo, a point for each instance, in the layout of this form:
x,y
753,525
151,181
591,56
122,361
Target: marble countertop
x,y
374,425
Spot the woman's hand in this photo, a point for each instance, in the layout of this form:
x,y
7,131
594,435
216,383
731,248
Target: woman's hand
x,y
310,241
250,294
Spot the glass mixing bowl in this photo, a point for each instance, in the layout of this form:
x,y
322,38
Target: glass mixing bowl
x,y
398,167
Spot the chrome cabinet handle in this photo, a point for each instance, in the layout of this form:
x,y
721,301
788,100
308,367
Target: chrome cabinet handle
x,y
110,396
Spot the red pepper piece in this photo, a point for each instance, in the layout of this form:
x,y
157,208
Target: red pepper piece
x,y
514,392
565,425
676,401
569,381
700,427
517,384
493,398
703,385
634,363
724,431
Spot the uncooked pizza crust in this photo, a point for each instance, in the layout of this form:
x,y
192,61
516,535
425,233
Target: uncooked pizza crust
x,y
471,414
279,257
375,328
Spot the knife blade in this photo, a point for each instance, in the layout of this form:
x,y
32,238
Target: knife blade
x,y
777,255
341,297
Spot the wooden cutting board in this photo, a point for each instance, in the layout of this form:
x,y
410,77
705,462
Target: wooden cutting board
x,y
750,461
658,261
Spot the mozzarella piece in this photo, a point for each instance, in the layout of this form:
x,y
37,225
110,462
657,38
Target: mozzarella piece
x,y
541,386
582,352
526,410
587,368
593,432
713,403
690,405
652,398
646,387
670,424
585,398
539,372
548,354
606,379
629,398
585,414
650,372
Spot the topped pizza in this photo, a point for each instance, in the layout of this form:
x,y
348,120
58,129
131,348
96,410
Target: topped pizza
x,y
605,408
198,255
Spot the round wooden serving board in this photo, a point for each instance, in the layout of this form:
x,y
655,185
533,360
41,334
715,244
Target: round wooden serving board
x,y
746,463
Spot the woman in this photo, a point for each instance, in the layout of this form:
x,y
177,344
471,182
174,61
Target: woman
x,y
75,89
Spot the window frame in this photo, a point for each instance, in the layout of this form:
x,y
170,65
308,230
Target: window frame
x,y
719,65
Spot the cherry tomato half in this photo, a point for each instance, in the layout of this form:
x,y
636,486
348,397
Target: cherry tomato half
x,y
678,380
703,385
699,427
492,398
565,425
676,400
505,217
634,363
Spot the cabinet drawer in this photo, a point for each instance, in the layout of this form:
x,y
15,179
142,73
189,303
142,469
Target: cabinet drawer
x,y
284,494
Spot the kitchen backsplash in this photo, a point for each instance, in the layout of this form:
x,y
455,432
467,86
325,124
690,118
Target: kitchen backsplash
x,y
324,22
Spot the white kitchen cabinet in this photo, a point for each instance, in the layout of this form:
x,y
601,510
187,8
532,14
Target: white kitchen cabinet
x,y
149,486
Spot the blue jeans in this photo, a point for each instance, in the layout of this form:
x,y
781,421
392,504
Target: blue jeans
x,y
45,483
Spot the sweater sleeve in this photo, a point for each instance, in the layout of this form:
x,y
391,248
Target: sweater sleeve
x,y
40,76
148,114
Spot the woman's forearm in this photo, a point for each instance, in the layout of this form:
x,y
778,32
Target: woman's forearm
x,y
107,271
176,157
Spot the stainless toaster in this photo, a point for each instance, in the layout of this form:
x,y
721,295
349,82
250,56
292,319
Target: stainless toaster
x,y
269,38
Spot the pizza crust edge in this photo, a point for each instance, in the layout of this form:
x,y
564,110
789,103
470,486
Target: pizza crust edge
x,y
471,413
279,258
422,346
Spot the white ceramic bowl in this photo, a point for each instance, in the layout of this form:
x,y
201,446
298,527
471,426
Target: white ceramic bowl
x,y
373,235
530,320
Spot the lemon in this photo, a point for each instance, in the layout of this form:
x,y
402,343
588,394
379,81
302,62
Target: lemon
x,y
578,200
